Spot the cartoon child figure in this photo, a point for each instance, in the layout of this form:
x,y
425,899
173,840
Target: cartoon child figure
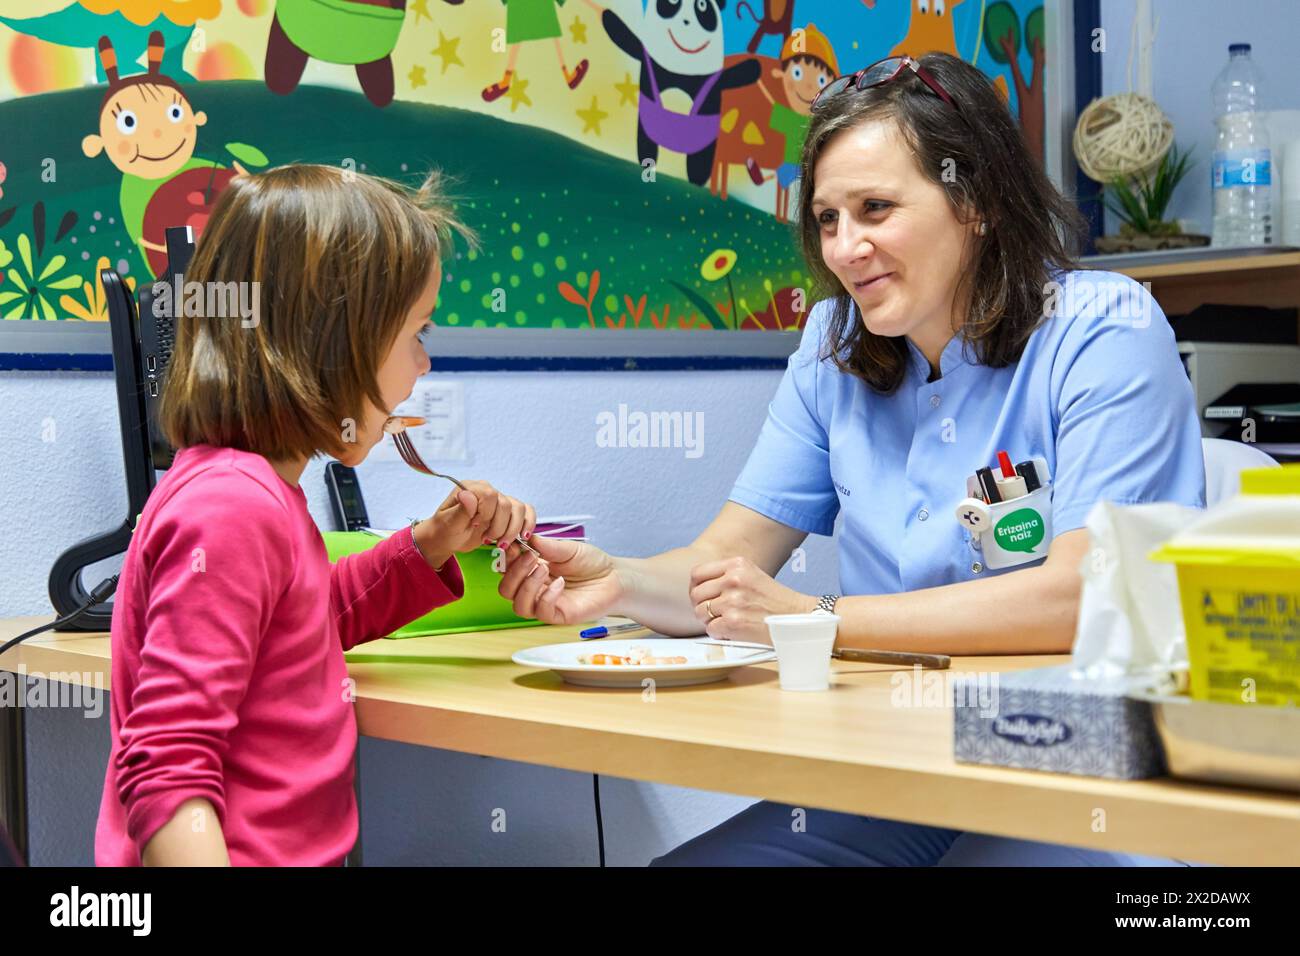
x,y
807,65
147,129
528,20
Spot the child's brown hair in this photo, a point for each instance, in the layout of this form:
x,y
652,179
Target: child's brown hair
x,y
339,259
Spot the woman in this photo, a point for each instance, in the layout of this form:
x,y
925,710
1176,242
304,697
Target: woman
x,y
956,325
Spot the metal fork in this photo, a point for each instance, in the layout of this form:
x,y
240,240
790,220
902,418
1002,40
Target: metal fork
x,y
412,457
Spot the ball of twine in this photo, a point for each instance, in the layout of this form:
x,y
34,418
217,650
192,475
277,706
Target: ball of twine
x,y
1122,135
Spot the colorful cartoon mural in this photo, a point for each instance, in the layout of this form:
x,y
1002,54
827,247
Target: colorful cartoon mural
x,y
627,163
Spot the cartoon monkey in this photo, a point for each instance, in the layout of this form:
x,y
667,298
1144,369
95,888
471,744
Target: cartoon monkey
x,y
777,19
148,130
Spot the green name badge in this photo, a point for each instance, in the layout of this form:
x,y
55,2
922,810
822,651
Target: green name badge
x,y
1022,530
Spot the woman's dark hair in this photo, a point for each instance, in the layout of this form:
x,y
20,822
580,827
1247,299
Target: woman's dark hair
x,y
1032,229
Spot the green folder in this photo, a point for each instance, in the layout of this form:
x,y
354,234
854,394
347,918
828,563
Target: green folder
x,y
481,609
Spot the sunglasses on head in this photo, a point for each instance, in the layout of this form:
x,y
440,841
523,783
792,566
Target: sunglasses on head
x,y
882,72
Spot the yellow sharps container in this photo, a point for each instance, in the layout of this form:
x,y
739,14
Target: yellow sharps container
x,y
1239,582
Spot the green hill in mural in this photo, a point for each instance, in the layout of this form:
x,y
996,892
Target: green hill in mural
x,y
571,237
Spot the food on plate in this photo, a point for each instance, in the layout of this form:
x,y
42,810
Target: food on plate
x,y
636,657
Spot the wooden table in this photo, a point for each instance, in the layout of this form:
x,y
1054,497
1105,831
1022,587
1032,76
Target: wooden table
x,y
849,749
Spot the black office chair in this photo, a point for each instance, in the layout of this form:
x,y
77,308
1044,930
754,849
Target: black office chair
x,y
67,593
136,345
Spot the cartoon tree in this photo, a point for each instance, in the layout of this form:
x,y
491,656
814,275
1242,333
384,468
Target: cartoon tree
x,y
128,27
1002,37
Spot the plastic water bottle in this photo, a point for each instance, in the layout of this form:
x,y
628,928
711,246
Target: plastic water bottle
x,y
1241,169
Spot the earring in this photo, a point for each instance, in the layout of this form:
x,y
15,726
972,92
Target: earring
x,y
982,229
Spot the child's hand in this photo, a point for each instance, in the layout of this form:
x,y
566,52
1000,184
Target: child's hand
x,y
470,518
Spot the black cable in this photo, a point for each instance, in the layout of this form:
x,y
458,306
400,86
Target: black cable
x,y
600,825
103,591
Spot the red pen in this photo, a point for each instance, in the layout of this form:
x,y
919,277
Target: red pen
x,y
1004,462
1010,485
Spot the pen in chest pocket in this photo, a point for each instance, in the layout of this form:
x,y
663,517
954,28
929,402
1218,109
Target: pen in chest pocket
x,y
1010,485
988,485
1029,471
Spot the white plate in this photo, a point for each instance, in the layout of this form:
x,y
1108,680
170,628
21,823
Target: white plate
x,y
704,662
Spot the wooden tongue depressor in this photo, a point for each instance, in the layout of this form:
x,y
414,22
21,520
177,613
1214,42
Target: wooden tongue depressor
x,y
937,661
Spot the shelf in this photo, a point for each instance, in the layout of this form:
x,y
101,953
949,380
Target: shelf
x,y
1176,263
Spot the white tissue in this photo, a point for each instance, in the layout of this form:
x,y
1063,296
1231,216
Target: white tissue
x,y
1130,622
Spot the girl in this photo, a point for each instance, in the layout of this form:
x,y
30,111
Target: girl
x,y
232,721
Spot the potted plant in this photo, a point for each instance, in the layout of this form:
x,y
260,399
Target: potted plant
x,y
1140,203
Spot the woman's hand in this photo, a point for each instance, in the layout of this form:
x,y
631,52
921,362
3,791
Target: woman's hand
x,y
574,582
732,597
469,518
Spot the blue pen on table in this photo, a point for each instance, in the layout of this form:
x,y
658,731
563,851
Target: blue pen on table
x,y
594,632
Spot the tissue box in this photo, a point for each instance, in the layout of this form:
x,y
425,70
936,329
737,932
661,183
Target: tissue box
x,y
1044,719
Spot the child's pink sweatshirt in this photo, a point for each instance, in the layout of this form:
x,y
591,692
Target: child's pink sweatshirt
x,y
228,678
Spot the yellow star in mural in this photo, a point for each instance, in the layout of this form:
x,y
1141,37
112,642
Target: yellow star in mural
x,y
516,94
420,8
627,90
416,76
579,30
591,117
446,50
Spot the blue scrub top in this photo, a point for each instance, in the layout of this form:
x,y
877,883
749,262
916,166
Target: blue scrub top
x,y
1099,392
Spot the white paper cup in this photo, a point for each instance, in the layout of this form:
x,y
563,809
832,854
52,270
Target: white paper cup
x,y
803,644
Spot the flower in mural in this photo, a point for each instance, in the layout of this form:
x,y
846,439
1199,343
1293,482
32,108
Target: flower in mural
x,y
718,264
95,306
29,283
786,314
4,173
36,283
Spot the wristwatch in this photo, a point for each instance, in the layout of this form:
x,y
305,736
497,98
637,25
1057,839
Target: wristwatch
x,y
827,603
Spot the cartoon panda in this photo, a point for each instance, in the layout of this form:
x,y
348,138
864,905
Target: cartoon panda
x,y
679,44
